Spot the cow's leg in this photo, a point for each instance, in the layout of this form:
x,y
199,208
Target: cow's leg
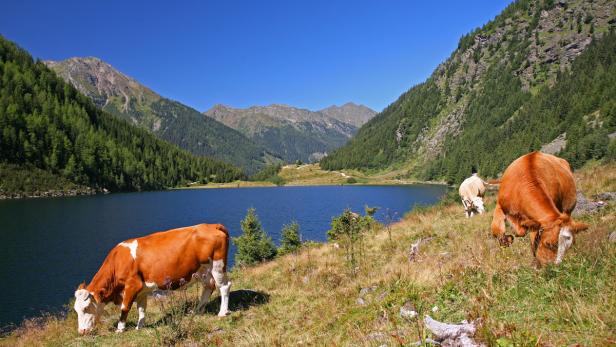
x,y
519,230
223,284
466,209
142,305
131,290
498,226
208,288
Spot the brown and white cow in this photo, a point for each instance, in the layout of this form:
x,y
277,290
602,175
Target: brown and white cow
x,y
164,260
471,192
537,195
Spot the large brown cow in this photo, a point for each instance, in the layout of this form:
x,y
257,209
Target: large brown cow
x,y
164,260
537,195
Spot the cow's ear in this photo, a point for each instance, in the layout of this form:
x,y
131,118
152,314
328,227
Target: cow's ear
x,y
98,296
82,286
578,226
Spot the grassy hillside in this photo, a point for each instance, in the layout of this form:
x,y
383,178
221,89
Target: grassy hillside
x,y
47,124
459,272
170,120
311,175
538,70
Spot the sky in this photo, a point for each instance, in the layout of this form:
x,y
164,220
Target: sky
x,y
309,54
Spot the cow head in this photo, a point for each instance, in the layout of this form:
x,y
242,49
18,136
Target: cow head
x,y
556,239
478,204
88,310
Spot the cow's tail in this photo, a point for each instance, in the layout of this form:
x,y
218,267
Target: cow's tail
x,y
222,228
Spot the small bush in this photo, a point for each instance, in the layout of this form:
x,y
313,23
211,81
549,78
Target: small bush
x,y
291,240
351,180
253,246
349,229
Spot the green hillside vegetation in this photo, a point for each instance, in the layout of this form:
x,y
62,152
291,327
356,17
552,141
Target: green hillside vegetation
x,y
46,123
27,181
493,138
169,120
510,87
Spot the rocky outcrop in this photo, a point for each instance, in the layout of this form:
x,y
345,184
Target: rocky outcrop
x,y
557,145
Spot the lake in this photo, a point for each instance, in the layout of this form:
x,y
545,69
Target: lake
x,y
50,245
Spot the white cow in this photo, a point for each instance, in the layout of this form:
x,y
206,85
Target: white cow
x,y
471,192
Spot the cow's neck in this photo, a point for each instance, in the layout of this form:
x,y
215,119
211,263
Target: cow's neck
x,y
102,285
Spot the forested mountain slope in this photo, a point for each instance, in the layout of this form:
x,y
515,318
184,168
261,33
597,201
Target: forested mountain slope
x,y
170,120
538,70
294,133
46,123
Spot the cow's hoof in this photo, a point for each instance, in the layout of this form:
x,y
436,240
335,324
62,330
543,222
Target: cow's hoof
x,y
223,314
506,240
119,330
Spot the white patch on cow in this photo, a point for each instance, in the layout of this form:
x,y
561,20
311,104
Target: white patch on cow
x,y
478,203
151,285
122,307
87,312
142,303
223,284
132,246
121,327
565,240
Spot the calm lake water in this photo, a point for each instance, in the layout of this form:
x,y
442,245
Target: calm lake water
x,y
51,245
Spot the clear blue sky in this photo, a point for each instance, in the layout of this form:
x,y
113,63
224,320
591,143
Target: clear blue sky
x,y
308,54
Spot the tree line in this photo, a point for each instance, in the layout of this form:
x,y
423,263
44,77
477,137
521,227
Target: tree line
x,y
48,124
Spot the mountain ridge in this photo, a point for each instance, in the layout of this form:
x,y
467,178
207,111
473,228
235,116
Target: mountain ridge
x,y
170,120
294,133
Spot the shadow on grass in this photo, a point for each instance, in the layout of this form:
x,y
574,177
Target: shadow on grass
x,y
239,300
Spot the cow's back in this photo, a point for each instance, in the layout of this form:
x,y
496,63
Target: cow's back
x,y
536,184
472,187
178,253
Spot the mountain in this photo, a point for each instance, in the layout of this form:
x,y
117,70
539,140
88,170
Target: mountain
x,y
540,70
170,120
47,124
350,113
293,133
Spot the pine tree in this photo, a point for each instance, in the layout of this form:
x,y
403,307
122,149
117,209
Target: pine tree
x,y
291,239
253,246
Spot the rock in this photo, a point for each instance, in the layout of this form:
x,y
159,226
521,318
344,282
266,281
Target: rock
x,y
458,335
585,206
556,145
612,237
606,196
361,302
364,291
408,311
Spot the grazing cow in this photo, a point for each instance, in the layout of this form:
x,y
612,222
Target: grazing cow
x,y
164,260
537,196
471,192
